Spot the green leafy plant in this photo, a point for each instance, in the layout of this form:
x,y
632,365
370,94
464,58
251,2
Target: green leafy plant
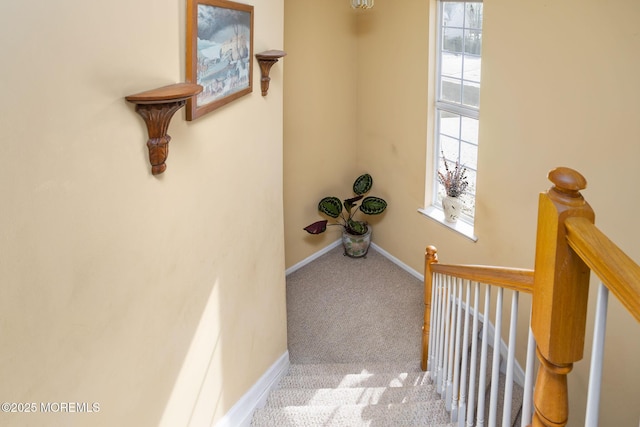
x,y
344,212
454,181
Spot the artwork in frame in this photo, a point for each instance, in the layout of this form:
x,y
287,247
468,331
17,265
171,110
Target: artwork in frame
x,y
219,53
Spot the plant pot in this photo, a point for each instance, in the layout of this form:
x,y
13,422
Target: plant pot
x,y
452,207
356,246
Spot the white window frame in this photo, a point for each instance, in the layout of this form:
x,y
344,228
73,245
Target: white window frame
x,y
465,225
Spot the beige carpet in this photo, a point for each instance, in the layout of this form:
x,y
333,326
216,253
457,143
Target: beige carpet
x,y
354,344
343,310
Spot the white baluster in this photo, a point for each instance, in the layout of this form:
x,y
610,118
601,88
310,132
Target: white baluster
x,y
447,334
527,400
436,326
473,368
511,356
482,383
465,354
432,326
442,379
597,355
456,356
495,370
455,306
441,338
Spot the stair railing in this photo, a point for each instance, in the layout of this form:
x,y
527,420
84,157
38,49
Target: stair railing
x,y
457,353
585,248
568,248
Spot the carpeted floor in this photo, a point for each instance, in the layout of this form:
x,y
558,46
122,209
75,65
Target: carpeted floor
x,y
344,310
354,347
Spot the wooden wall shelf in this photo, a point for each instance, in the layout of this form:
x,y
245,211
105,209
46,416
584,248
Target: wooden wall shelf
x,y
266,60
157,107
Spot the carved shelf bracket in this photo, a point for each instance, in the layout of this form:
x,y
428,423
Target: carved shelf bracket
x,y
157,107
266,60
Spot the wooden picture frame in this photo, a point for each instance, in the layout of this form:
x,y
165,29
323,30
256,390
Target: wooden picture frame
x,y
219,53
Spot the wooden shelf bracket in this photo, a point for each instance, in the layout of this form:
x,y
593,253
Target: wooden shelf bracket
x,y
157,107
266,60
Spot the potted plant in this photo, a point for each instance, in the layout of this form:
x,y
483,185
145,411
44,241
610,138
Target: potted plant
x,y
356,235
455,184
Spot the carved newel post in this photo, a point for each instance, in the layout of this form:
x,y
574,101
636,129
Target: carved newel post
x,y
431,257
157,107
560,293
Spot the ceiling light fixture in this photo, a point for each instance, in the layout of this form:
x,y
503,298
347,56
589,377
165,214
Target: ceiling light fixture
x,y
362,4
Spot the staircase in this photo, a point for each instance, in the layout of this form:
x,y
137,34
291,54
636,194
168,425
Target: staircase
x,y
366,394
360,394
353,395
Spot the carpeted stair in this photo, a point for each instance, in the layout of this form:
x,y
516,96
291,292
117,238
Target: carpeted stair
x,y
342,372
355,394
362,394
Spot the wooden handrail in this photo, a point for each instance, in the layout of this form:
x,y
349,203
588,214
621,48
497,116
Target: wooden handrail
x,y
560,296
619,273
516,279
568,247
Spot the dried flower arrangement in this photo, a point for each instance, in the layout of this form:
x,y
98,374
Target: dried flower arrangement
x,y
454,181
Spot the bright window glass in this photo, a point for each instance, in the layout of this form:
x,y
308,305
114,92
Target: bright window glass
x,y
458,94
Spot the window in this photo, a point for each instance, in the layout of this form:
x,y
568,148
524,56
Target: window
x,y
458,57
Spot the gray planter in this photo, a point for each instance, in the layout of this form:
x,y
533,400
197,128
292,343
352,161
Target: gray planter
x,y
356,246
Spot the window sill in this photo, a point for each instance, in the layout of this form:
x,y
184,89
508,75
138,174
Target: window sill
x,y
460,226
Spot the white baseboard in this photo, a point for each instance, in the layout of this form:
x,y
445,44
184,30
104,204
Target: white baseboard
x,y
397,262
338,242
240,414
518,373
313,257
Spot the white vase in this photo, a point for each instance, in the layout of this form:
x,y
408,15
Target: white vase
x,y
452,207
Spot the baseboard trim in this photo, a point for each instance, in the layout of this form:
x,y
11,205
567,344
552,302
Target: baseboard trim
x,y
313,257
397,262
338,242
240,414
518,372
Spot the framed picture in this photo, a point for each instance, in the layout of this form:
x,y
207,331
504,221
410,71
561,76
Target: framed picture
x,y
219,53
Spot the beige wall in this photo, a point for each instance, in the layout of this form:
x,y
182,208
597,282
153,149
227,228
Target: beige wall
x,y
561,97
559,88
320,157
160,298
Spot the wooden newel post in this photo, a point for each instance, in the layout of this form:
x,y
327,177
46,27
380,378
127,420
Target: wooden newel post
x,y
560,293
430,257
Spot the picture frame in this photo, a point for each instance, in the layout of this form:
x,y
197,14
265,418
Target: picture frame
x,y
219,53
